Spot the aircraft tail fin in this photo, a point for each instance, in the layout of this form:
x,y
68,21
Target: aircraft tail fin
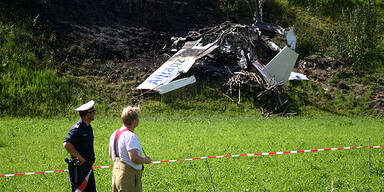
x,y
280,67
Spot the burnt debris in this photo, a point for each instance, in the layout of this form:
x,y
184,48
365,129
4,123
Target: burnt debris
x,y
231,63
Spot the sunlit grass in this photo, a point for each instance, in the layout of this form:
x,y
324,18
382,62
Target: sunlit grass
x,y
29,145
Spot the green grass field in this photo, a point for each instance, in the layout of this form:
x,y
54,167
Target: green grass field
x,y
29,145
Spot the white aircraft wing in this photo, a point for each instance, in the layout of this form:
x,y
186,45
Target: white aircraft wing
x,y
179,63
176,84
166,72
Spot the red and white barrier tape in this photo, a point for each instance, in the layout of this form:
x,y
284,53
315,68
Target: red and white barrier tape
x,y
209,157
261,154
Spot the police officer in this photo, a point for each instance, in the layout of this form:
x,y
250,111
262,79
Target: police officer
x,y
79,143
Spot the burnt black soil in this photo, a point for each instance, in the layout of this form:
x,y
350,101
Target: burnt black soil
x,y
125,40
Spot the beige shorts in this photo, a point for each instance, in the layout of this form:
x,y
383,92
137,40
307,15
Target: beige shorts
x,y
125,178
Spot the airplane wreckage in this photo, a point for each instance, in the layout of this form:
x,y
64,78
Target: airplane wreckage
x,y
236,54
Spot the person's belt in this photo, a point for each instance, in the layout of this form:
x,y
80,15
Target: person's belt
x,y
118,160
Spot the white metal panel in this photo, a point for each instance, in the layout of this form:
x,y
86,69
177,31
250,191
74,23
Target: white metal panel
x,y
175,84
297,76
281,65
291,38
180,62
167,72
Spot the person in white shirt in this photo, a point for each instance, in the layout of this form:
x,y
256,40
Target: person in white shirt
x,y
126,153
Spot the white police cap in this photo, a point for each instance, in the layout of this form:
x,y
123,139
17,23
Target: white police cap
x,y
86,107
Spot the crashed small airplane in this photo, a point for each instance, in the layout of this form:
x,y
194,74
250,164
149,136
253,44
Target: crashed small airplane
x,y
278,70
181,62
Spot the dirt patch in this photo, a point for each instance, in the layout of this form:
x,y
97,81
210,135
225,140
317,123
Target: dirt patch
x,y
122,29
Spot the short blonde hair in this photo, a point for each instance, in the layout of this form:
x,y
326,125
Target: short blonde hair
x,y
130,114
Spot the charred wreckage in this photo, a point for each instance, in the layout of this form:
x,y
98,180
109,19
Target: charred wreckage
x,y
235,54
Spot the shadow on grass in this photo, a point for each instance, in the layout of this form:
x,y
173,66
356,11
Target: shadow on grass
x,y
378,171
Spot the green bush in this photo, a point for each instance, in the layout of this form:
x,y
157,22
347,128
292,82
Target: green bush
x,y
355,37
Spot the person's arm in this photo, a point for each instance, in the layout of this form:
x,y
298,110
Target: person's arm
x,y
136,158
72,150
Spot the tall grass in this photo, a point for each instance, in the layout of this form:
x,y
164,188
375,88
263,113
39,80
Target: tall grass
x,y
326,7
357,36
354,31
29,83
32,144
309,96
28,88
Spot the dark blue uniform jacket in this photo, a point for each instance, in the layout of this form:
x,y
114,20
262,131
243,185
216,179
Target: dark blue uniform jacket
x,y
81,137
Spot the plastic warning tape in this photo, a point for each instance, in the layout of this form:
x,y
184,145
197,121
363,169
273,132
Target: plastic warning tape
x,y
261,154
34,173
210,157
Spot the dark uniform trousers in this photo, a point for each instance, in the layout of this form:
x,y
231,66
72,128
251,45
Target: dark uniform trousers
x,y
82,172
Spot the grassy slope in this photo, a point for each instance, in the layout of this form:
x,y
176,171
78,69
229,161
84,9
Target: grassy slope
x,y
29,145
363,87
34,93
